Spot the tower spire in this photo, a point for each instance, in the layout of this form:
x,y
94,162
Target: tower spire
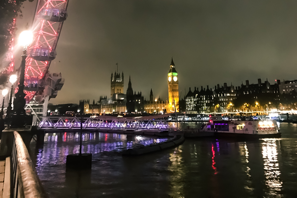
x,y
151,96
129,84
172,62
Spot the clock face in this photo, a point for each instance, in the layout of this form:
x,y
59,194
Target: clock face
x,y
175,78
169,78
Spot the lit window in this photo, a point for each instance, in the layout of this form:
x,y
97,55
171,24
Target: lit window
x,y
240,127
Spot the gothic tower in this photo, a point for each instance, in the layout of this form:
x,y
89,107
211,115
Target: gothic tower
x,y
130,98
173,93
117,83
151,96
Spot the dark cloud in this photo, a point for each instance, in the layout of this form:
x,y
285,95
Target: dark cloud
x,y
211,42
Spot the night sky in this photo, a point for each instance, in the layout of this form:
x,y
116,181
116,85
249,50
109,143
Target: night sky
x,y
211,42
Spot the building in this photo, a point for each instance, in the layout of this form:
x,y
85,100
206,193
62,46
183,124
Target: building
x,y
134,102
115,104
191,101
130,98
223,98
117,84
137,104
173,92
226,98
204,99
287,86
155,105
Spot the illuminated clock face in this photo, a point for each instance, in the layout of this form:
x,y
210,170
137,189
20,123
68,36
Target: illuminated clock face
x,y
175,78
169,78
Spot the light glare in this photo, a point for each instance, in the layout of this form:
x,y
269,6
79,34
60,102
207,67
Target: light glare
x,y
25,38
4,92
13,78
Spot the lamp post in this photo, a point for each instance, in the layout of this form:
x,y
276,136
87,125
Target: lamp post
x,y
12,80
18,120
4,92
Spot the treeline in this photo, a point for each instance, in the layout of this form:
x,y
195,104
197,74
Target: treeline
x,y
9,9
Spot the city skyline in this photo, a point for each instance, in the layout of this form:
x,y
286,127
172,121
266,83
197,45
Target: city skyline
x,y
248,40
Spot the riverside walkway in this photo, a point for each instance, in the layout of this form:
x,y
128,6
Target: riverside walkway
x,y
17,173
2,176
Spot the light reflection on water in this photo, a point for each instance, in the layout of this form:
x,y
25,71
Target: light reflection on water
x,y
271,166
177,169
204,167
58,145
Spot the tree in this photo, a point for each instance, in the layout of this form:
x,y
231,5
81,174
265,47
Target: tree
x,y
9,9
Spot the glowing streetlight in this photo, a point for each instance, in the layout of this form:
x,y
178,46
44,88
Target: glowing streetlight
x,y
4,92
13,78
19,119
26,38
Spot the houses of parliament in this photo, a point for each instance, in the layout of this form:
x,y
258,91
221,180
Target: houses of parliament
x,y
132,101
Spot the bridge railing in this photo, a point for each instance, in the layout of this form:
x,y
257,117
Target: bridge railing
x,y
24,181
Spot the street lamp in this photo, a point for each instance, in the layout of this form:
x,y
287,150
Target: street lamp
x,y
12,80
25,38
4,92
19,119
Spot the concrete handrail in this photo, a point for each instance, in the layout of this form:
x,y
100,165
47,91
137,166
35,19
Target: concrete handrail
x,y
27,177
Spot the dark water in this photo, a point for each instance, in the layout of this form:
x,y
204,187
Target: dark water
x,y
197,168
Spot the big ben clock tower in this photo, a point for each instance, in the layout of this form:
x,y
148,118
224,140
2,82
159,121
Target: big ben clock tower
x,y
173,94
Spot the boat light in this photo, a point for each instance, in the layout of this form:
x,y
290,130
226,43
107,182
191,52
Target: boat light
x,y
266,124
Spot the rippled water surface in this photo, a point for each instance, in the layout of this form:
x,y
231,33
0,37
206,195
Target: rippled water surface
x,y
197,168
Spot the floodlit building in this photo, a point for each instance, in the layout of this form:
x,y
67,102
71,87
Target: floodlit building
x,y
173,91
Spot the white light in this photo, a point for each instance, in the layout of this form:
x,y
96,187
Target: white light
x,y
138,137
48,111
78,110
25,38
4,92
169,79
13,78
56,110
175,78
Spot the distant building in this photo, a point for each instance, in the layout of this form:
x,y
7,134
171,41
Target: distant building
x,y
155,105
115,104
136,102
130,104
117,84
223,98
191,101
287,86
173,91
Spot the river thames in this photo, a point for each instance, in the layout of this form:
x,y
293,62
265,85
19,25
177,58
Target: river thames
x,y
197,168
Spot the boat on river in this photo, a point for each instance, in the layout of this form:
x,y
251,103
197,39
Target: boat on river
x,y
237,129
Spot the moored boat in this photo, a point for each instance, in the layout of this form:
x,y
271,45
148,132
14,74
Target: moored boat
x,y
238,129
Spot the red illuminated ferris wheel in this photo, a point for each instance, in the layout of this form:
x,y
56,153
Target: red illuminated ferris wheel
x,y
47,26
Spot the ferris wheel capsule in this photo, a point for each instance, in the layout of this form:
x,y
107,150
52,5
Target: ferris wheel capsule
x,y
53,14
42,54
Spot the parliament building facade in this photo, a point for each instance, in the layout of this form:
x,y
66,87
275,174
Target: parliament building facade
x,y
134,102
